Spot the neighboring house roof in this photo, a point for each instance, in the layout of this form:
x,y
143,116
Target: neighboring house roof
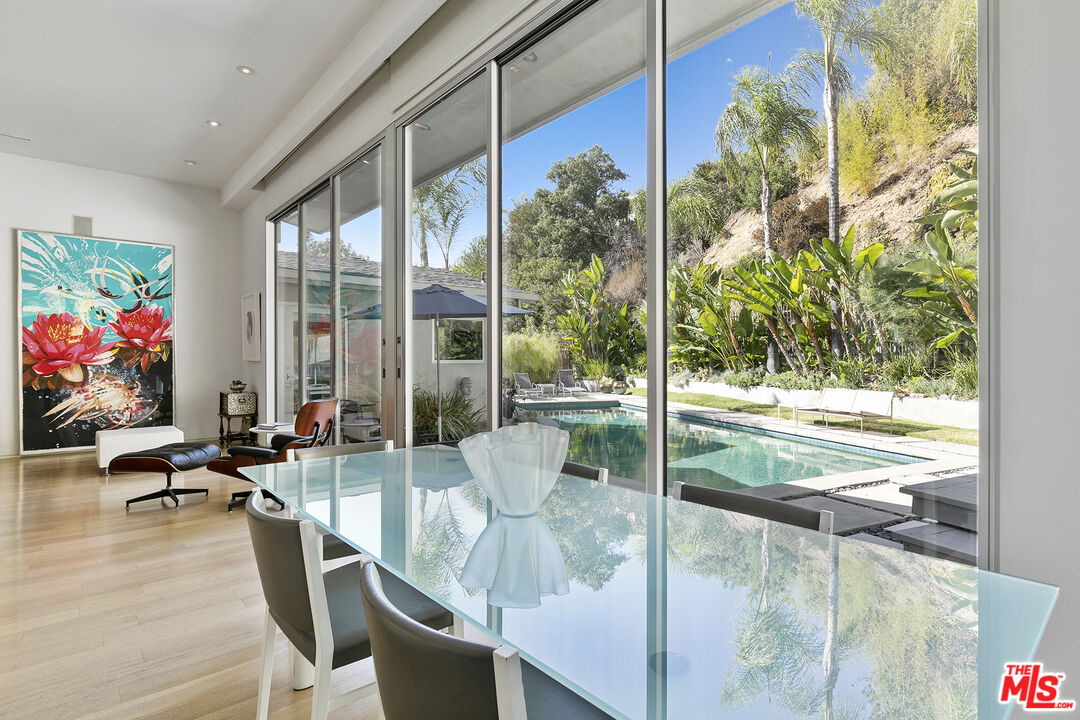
x,y
422,276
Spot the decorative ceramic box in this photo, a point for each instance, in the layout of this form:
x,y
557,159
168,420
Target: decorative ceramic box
x,y
239,403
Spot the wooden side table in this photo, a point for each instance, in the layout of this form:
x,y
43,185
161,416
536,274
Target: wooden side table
x,y
243,406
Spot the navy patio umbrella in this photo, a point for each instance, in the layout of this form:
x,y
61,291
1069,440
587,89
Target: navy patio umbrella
x,y
436,302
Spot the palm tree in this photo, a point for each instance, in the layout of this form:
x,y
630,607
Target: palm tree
x,y
440,205
766,117
845,26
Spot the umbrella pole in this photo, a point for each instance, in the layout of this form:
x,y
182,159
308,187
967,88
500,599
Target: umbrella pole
x,y
438,390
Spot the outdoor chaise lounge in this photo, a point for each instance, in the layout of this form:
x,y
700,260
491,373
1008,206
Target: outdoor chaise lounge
x,y
524,386
842,402
568,383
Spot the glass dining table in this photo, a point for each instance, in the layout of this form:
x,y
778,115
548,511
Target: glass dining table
x,y
655,608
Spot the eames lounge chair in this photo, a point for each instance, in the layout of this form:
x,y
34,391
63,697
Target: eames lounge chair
x,y
311,429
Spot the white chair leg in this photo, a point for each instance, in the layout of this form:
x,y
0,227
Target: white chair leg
x,y
458,627
320,693
267,672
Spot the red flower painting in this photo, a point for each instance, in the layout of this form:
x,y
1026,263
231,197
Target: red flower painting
x,y
57,350
145,335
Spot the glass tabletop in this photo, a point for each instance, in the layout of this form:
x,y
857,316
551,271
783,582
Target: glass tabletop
x,y
655,608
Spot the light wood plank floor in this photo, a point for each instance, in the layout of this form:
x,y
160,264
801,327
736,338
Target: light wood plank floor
x,y
152,613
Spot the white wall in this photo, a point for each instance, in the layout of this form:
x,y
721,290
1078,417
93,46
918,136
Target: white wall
x,y
1038,253
41,195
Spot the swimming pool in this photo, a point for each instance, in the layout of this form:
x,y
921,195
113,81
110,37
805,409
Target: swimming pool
x,y
709,453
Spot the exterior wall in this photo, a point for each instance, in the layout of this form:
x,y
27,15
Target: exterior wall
x,y
1033,418
42,195
935,411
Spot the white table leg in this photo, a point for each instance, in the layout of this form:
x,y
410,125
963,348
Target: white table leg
x,y
303,672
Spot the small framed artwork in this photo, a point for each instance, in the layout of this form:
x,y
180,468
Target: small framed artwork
x,y
250,309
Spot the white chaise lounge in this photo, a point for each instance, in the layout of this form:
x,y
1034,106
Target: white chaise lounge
x,y
843,402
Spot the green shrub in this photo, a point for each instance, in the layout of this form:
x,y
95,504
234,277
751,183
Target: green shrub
x,y
964,373
459,418
744,378
536,353
850,372
593,369
859,149
897,369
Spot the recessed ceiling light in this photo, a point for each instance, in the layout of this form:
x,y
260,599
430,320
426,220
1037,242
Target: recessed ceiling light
x,y
366,162
512,68
245,70
529,57
190,163
213,123
422,126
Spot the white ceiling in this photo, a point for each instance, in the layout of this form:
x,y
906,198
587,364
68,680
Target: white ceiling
x,y
128,85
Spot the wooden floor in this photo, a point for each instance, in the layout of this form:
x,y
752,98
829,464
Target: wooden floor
x,y
152,613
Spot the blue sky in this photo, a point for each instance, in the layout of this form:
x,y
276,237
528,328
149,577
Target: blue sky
x,y
699,88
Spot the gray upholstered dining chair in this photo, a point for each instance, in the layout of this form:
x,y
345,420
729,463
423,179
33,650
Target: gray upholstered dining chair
x,y
321,613
334,548
425,674
765,508
597,474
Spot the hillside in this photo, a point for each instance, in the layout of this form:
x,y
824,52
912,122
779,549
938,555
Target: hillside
x,y
901,194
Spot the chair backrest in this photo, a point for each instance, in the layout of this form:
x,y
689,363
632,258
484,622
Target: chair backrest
x,y
874,402
588,472
314,453
567,379
452,672
522,381
316,418
765,508
838,399
279,554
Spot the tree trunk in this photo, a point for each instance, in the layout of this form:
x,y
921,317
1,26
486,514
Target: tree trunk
x,y
766,210
831,659
423,247
770,323
808,323
836,340
794,343
831,106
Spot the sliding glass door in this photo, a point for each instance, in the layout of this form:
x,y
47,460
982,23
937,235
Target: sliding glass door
x,y
328,303
445,303
573,250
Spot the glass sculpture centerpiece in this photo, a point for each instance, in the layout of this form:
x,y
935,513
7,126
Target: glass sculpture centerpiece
x,y
516,558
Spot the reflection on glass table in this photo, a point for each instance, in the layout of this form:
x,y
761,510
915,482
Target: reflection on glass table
x,y
682,611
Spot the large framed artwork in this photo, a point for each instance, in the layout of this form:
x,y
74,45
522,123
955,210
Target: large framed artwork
x,y
96,319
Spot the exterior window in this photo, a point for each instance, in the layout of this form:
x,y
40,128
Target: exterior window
x,y
461,340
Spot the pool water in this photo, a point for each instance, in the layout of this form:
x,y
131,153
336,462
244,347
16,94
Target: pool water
x,y
705,453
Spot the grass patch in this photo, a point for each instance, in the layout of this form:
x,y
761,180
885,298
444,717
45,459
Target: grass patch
x,y
943,433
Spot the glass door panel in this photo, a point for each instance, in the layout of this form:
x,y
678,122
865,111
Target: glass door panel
x,y
446,222
358,285
287,329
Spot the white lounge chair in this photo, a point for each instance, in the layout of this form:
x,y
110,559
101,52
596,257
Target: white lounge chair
x,y
842,402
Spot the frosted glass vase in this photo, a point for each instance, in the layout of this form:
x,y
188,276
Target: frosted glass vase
x,y
517,561
517,465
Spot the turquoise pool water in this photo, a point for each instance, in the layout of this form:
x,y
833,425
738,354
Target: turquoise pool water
x,y
706,453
